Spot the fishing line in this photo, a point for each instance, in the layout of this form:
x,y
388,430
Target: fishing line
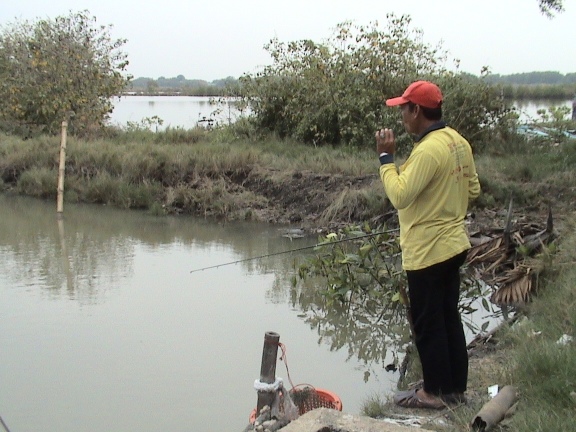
x,y
295,250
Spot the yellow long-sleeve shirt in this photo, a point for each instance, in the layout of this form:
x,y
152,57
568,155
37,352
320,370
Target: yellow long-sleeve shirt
x,y
431,191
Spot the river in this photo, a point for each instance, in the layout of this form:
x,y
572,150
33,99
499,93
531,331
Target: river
x,y
104,327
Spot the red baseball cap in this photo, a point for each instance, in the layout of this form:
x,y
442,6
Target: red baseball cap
x,y
423,93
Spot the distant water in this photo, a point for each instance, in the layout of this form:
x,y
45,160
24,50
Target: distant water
x,y
529,109
175,111
190,111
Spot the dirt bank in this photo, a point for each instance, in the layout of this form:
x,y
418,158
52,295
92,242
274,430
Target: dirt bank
x,y
306,199
318,201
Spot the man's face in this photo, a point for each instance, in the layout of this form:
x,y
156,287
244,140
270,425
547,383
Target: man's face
x,y
407,118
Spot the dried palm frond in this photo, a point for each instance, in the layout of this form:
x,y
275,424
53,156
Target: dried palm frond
x,y
501,260
515,286
485,251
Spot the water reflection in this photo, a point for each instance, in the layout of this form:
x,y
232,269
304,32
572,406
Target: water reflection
x,y
73,254
374,337
63,264
104,327
91,250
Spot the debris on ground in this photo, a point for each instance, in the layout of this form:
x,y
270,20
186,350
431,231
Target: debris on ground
x,y
501,258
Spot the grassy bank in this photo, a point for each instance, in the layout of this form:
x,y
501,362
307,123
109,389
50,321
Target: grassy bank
x,y
219,174
543,368
234,174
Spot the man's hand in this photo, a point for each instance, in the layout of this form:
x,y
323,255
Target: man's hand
x,y
385,142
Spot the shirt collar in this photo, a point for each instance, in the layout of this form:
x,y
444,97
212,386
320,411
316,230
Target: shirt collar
x,y
438,125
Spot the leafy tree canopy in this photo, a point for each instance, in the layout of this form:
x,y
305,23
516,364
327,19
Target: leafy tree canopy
x,y
334,92
54,70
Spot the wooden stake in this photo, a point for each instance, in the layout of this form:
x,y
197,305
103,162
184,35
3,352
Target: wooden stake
x,y
268,369
60,200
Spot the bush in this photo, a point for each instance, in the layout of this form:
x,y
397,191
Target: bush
x,y
333,93
56,70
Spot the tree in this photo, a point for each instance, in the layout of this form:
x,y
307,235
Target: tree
x,y
334,92
152,86
53,70
549,7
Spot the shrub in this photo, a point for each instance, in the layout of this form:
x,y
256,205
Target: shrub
x,y
54,70
334,92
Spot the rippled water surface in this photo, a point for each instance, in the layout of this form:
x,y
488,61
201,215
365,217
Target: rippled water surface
x,y
104,328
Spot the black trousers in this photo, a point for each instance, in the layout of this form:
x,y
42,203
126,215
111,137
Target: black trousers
x,y
439,336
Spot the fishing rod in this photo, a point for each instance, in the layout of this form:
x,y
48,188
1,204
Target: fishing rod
x,y
4,425
295,250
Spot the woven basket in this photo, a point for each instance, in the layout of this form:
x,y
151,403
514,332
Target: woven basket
x,y
310,398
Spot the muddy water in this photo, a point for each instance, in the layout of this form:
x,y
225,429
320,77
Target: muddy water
x,y
104,327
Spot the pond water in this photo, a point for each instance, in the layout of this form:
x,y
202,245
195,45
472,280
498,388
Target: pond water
x,y
189,111
104,327
528,110
175,111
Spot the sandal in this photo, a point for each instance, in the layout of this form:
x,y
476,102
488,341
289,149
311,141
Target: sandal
x,y
409,399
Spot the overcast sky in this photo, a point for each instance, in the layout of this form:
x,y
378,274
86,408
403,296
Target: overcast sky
x,y
219,38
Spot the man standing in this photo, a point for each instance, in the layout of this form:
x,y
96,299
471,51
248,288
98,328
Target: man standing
x,y
431,191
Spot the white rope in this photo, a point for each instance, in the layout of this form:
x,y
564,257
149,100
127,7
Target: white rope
x,y
265,387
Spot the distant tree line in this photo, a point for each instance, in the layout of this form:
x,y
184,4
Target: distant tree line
x,y
536,85
526,85
181,86
533,78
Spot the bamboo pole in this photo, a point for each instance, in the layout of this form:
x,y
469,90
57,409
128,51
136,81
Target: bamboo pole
x,y
268,369
61,170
